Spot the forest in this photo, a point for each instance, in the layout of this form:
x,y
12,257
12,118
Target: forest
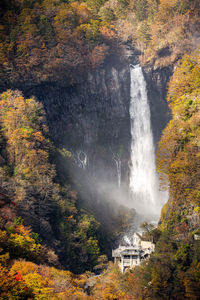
x,y
53,245
51,40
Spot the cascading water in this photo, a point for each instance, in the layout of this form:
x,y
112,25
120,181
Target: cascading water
x,y
118,163
82,159
144,185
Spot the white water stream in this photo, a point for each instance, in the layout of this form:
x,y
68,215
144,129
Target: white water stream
x,y
144,183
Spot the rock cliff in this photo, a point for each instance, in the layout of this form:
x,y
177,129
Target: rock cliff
x,y
91,117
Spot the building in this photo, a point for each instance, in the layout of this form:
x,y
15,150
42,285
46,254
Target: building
x,y
196,237
132,255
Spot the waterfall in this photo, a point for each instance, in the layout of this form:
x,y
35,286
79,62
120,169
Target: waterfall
x,y
82,159
118,163
144,184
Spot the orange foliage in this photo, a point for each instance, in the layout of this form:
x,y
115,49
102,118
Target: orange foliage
x,y
49,283
11,287
108,32
109,285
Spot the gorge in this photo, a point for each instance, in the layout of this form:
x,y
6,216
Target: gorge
x,y
91,120
97,109
99,104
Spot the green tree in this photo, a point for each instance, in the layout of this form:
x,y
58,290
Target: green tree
x,y
141,9
95,5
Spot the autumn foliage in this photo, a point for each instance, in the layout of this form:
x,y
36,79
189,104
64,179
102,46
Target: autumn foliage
x,y
41,224
29,178
172,272
178,155
50,40
47,40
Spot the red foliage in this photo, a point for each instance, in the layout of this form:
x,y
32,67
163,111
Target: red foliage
x,y
18,276
183,228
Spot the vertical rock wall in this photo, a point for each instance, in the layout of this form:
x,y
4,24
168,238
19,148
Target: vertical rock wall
x,y
91,118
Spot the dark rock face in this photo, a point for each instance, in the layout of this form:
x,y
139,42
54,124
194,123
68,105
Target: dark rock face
x,y
157,81
91,118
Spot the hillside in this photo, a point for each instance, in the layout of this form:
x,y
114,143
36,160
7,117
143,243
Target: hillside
x,y
60,40
65,146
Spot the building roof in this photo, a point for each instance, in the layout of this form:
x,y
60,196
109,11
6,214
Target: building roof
x,y
130,250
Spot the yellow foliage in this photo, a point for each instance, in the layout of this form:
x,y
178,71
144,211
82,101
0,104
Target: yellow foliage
x,y
109,285
82,11
3,235
170,3
25,267
49,283
24,244
197,209
162,226
178,159
40,285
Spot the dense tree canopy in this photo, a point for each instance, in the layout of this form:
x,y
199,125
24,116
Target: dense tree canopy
x,y
49,40
178,156
28,176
